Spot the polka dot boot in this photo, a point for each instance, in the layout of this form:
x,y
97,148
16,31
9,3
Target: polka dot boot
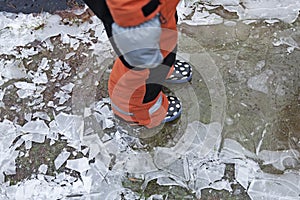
x,y
182,72
174,109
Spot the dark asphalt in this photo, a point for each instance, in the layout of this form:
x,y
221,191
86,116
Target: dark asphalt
x,y
36,6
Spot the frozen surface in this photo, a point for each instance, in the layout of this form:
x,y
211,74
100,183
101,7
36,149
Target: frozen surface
x,y
197,160
61,159
285,10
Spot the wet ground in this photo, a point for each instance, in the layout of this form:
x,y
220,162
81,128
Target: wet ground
x,y
260,76
37,6
246,78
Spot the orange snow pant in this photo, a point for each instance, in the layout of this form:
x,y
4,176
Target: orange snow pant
x,y
136,93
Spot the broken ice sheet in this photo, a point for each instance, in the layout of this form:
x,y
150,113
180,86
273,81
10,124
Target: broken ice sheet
x,y
61,159
280,159
269,186
198,138
166,181
80,165
179,169
108,123
209,173
245,171
233,150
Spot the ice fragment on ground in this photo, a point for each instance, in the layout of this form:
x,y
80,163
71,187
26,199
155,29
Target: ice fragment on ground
x,y
71,126
98,174
198,138
179,169
28,117
60,108
44,64
104,115
156,197
69,55
28,144
62,96
38,126
260,82
103,110
163,178
87,112
87,183
221,185
61,159
60,70
41,189
7,161
68,88
2,92
43,169
41,115
40,78
242,175
203,18
85,151
8,133
289,41
233,150
34,137
279,159
208,174
135,163
26,89
269,186
11,69
80,165
106,137
96,147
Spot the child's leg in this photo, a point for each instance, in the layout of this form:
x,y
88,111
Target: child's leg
x,y
127,89
136,94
